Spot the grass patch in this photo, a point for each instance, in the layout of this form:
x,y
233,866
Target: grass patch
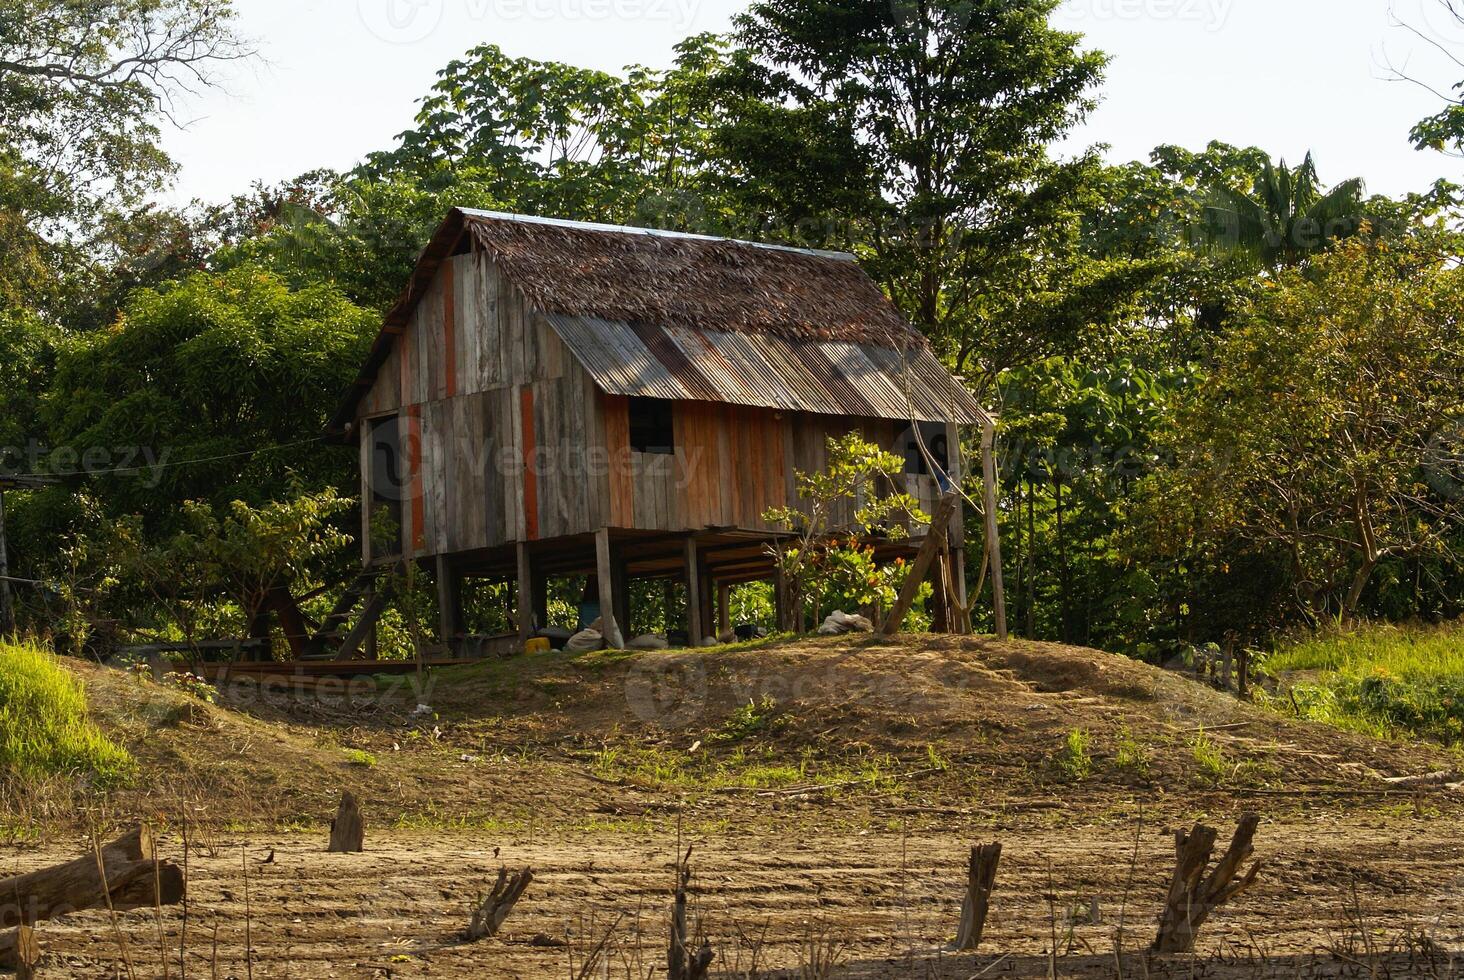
x,y
360,757
1075,761
1130,754
667,769
1209,758
752,718
45,730
1380,680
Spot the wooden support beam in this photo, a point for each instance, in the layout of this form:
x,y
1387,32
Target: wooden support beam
x,y
941,620
292,622
365,627
724,608
929,548
449,601
993,538
606,586
527,599
694,624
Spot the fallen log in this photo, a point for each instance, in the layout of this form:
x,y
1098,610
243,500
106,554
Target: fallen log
x,y
49,892
347,830
134,880
1442,778
980,879
1192,894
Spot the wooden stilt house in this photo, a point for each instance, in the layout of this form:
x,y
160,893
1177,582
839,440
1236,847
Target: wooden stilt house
x,y
554,398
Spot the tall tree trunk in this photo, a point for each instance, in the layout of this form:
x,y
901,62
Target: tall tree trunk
x,y
1032,577
1062,558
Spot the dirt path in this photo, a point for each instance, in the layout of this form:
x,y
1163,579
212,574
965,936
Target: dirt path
x,y
885,902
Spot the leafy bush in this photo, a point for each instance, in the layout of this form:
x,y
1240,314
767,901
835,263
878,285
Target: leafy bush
x,y
1076,760
44,728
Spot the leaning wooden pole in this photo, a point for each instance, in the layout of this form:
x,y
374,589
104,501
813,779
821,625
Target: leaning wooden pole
x,y
993,538
940,525
7,607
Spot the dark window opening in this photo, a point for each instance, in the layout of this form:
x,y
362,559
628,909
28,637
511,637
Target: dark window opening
x,y
651,430
938,447
388,485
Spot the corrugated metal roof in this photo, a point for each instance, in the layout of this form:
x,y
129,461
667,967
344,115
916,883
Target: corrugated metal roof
x,y
824,377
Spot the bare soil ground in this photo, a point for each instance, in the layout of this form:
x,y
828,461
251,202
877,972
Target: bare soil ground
x,y
828,789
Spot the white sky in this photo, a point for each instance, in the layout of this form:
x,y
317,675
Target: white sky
x,y
339,78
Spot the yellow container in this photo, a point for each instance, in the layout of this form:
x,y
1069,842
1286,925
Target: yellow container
x,y
539,644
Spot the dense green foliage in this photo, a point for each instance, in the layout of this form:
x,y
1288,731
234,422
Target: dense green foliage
x,y
1229,392
44,726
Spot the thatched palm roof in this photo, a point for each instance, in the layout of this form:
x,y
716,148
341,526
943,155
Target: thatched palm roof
x,y
694,282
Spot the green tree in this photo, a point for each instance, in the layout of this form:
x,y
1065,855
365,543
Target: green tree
x,y
214,387
555,139
917,134
250,551
1286,216
83,87
1331,428
853,497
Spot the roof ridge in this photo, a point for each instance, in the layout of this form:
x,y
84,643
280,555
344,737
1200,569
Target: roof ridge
x,y
595,226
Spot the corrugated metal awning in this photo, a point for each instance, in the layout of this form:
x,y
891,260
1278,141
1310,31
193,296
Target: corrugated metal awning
x,y
825,377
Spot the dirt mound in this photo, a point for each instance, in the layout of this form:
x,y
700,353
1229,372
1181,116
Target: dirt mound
x,y
865,727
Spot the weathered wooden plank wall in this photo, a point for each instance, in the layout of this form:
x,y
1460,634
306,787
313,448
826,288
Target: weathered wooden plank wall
x,y
512,440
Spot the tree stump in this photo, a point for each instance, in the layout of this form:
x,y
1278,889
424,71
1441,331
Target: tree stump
x,y
981,878
347,831
1192,894
681,962
27,953
489,915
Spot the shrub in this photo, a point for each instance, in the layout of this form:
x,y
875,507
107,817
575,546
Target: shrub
x,y
360,757
44,728
1075,761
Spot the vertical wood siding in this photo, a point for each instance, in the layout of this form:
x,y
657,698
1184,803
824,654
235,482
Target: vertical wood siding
x,y
507,438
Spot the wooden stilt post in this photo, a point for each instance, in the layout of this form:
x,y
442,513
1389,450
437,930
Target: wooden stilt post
x,y
694,625
993,538
449,602
924,558
526,596
606,585
724,608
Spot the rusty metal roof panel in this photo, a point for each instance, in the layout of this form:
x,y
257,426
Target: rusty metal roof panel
x,y
617,358
822,377
740,366
934,392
